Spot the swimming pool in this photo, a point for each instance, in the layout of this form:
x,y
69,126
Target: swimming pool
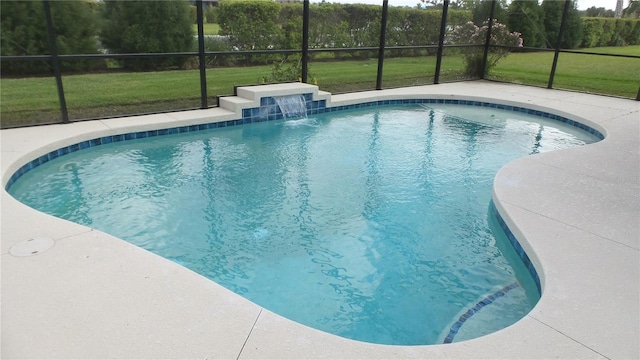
x,y
311,145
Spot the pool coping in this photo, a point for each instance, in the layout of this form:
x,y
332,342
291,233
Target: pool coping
x,y
574,211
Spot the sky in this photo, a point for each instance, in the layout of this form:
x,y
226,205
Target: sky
x,y
582,4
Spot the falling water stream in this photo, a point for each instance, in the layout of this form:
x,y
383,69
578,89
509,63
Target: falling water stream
x,y
292,106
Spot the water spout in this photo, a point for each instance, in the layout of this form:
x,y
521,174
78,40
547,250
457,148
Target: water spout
x,y
292,106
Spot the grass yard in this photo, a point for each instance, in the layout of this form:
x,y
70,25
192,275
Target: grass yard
x,y
35,100
589,73
111,94
209,29
619,50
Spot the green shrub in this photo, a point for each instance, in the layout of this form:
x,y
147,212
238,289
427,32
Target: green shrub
x,y
24,32
592,29
608,33
412,27
218,44
634,34
290,22
147,27
239,20
285,69
193,13
331,26
328,26
363,24
210,14
471,34
622,30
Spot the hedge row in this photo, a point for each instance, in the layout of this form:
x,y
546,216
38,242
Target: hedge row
x,y
331,25
354,25
610,32
165,26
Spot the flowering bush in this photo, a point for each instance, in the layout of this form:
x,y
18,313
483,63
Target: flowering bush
x,y
471,34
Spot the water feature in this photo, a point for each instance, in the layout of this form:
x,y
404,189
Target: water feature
x,y
292,106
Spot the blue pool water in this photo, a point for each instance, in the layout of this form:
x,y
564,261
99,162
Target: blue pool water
x,y
373,224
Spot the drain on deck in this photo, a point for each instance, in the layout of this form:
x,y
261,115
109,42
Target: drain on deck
x,y
32,246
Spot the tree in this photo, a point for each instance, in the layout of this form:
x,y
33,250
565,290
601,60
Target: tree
x,y
147,27
482,9
552,10
633,10
526,17
453,4
24,32
599,12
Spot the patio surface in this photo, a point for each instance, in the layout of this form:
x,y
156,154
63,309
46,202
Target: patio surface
x,y
576,212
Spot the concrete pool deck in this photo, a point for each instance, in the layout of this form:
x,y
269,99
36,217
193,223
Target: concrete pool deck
x,y
576,212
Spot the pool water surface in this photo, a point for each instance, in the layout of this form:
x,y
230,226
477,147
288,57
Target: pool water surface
x,y
373,224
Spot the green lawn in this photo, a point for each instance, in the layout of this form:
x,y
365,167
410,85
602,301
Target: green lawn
x,y
619,50
589,73
209,29
35,100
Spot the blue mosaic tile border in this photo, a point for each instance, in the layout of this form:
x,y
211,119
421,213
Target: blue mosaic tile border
x,y
453,331
268,110
517,247
113,139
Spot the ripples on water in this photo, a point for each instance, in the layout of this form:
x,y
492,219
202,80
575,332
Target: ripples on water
x,y
368,224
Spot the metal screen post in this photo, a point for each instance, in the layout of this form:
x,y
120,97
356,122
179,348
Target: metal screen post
x,y
201,57
443,30
305,41
487,42
383,40
565,11
53,48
